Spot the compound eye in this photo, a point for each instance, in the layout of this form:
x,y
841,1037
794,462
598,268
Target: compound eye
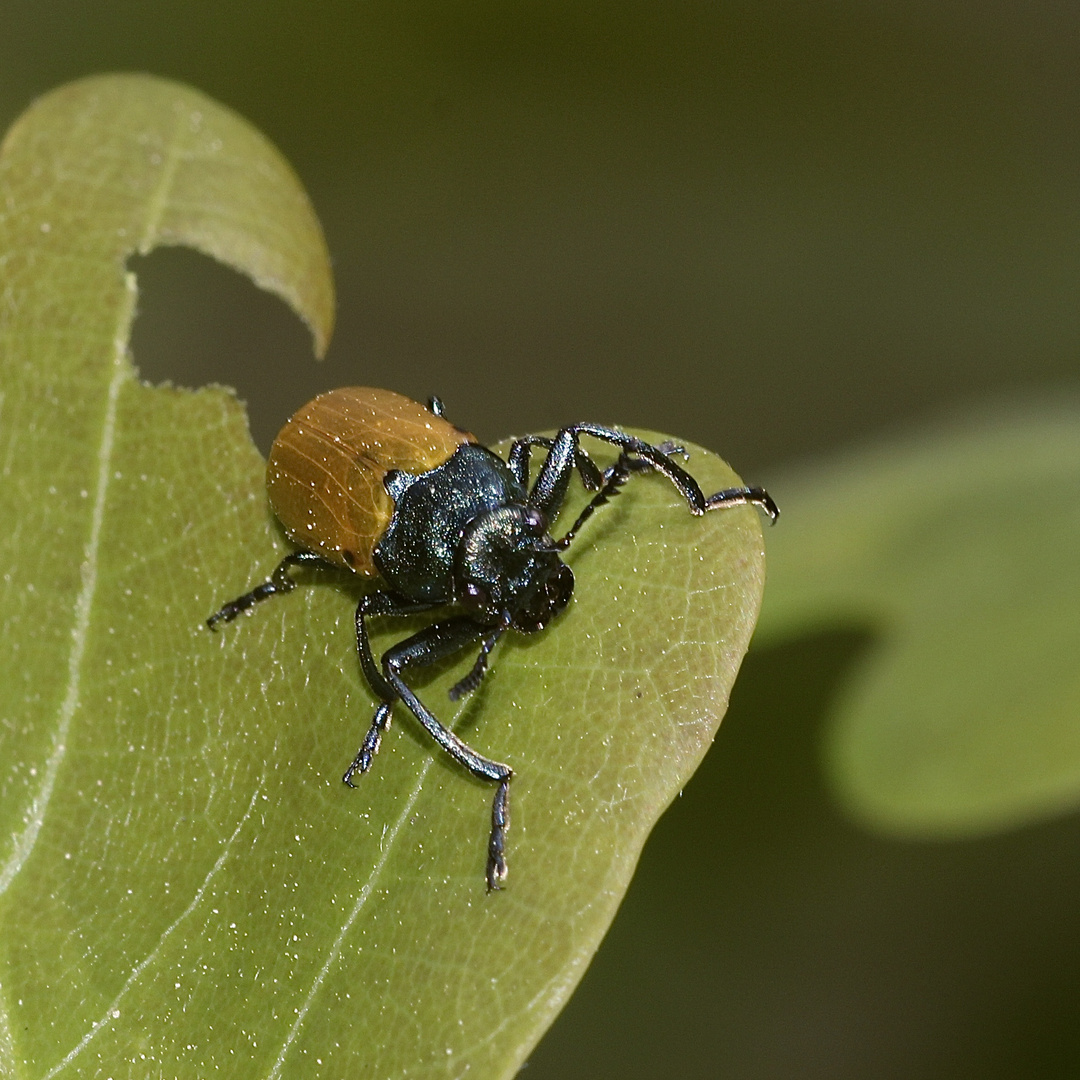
x,y
535,522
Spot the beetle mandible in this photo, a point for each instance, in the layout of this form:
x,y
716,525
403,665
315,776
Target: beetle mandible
x,y
370,481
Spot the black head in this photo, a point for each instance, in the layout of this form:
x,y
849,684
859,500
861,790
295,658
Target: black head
x,y
507,569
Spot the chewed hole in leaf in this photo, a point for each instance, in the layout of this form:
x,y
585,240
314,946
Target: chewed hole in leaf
x,y
200,322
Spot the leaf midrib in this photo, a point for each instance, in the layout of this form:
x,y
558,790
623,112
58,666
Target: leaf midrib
x,y
34,819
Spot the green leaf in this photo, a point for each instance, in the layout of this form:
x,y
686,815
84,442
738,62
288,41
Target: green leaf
x,y
959,548
186,887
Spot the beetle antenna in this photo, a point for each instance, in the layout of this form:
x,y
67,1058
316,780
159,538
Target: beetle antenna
x,y
479,668
614,478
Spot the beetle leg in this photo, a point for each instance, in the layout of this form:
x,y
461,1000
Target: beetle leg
x,y
518,461
439,640
614,477
550,488
378,603
370,746
658,458
668,448
741,496
278,582
549,491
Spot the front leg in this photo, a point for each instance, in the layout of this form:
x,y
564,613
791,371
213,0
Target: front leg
x,y
439,640
378,603
520,452
550,488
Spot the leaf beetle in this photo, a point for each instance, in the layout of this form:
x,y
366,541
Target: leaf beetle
x,y
369,481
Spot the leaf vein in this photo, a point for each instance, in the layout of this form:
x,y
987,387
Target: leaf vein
x,y
361,901
7,1040
35,817
113,1011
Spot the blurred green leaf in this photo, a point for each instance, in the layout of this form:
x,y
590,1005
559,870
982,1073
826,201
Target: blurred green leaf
x,y
961,548
186,887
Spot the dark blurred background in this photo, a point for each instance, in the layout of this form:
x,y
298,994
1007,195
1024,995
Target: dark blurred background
x,y
772,228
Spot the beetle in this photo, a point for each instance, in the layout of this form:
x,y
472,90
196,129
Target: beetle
x,y
369,481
